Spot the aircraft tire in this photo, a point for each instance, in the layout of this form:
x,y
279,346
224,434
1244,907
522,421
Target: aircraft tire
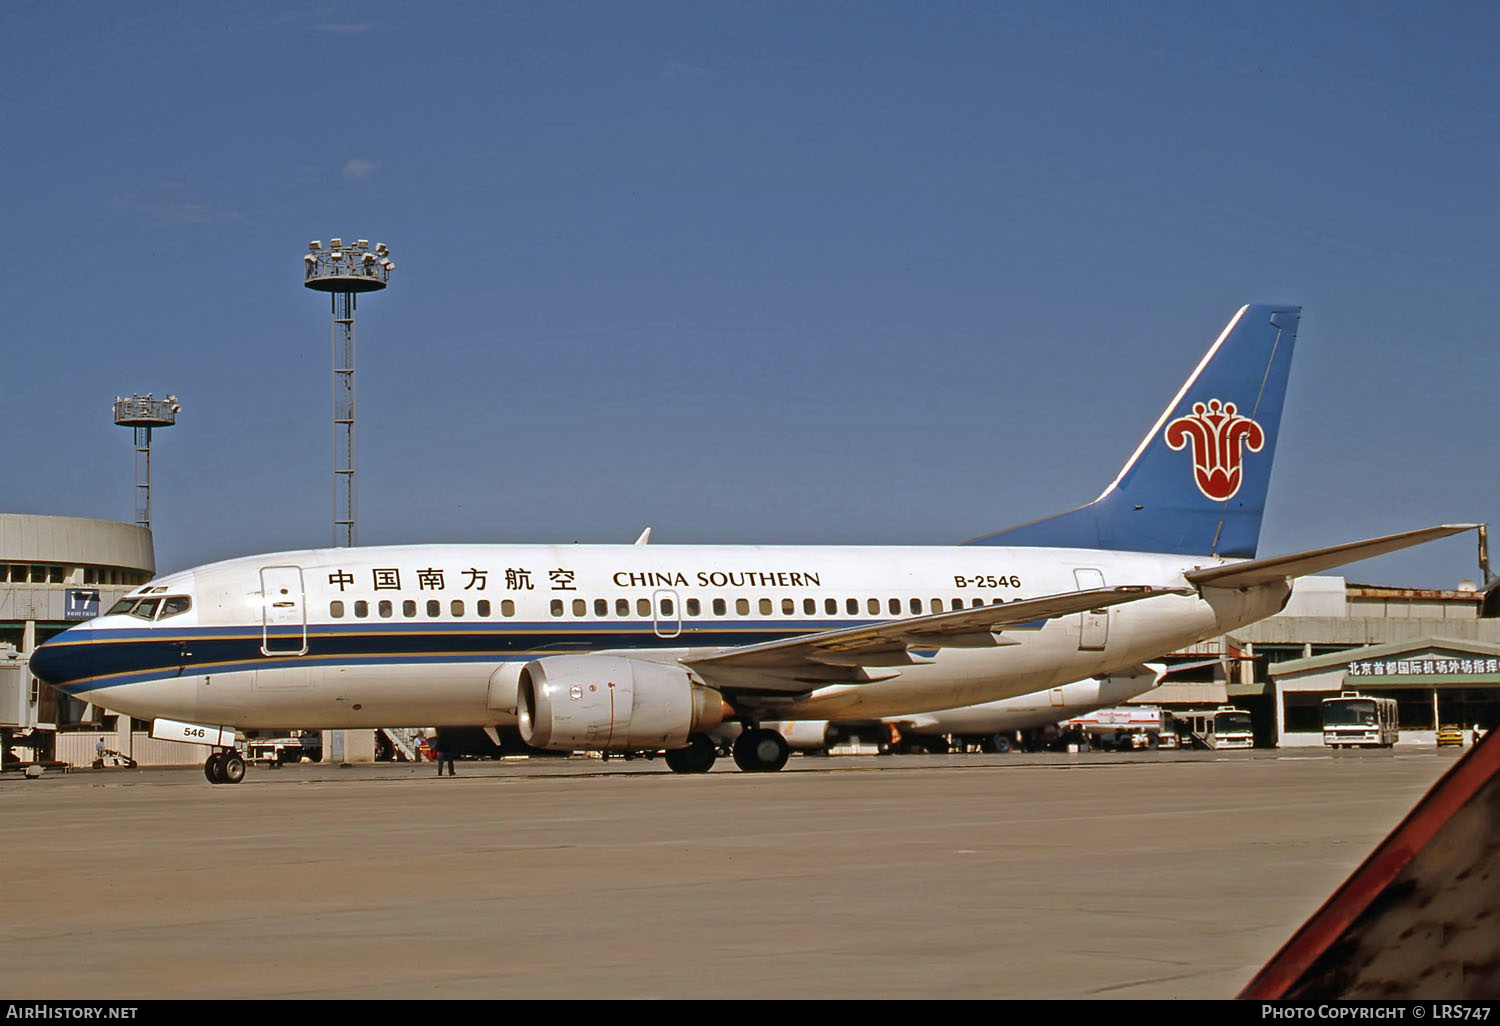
x,y
233,768
697,757
761,751
999,743
213,768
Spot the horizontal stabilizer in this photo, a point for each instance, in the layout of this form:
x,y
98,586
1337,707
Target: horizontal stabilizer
x,y
1298,564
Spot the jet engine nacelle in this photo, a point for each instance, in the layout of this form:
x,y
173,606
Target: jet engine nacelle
x,y
608,703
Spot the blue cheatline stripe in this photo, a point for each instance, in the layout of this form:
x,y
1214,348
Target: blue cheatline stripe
x,y
111,658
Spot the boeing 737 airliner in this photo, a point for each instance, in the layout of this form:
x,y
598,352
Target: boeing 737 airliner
x,y
649,648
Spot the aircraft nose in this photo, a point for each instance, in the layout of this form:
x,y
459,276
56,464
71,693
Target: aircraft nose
x,y
49,663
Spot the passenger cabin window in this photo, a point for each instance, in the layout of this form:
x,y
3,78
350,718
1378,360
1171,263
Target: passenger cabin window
x,y
809,607
666,607
580,607
895,606
557,607
720,607
643,607
361,609
434,607
788,607
385,607
937,605
765,607
457,607
601,607
622,607
852,605
409,608
831,606
916,605
694,608
874,606
742,606
336,609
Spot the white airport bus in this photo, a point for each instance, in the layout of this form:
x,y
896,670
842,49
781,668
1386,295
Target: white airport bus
x,y
1224,727
1356,720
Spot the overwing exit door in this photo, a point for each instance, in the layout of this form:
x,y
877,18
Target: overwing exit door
x,y
1093,633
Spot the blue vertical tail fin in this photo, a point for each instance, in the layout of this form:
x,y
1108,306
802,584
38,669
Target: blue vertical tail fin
x,y
1197,482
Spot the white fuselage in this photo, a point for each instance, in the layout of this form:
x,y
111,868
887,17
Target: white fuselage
x,y
1023,712
436,635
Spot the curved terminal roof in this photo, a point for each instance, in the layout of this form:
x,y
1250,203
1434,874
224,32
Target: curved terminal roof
x,y
28,538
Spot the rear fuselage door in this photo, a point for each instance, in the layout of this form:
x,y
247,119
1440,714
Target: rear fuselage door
x,y
284,611
1093,633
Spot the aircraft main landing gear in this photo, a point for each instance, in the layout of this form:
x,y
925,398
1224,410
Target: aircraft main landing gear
x,y
758,750
224,766
697,757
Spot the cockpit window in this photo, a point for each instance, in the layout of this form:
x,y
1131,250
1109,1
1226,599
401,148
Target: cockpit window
x,y
122,606
174,604
146,609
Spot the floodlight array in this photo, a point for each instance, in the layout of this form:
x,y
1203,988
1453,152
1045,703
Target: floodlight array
x,y
355,261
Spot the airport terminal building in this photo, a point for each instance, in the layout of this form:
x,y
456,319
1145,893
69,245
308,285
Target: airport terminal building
x,y
1432,650
55,572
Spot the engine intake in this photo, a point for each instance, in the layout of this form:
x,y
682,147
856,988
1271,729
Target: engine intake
x,y
609,703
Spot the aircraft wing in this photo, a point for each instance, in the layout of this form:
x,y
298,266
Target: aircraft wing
x,y
1298,564
794,664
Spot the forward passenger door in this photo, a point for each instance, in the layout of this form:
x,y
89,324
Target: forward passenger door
x,y
283,611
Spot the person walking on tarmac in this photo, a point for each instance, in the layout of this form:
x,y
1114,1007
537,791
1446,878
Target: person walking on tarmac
x,y
443,756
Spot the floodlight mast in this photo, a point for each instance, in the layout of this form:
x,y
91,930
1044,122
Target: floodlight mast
x,y
142,413
345,272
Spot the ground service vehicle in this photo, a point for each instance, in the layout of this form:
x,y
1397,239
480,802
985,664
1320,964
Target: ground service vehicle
x,y
1127,727
1224,727
1353,720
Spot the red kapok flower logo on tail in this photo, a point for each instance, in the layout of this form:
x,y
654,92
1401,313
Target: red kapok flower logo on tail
x,y
1219,436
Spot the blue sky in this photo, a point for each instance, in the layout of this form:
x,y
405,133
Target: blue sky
x,y
744,272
